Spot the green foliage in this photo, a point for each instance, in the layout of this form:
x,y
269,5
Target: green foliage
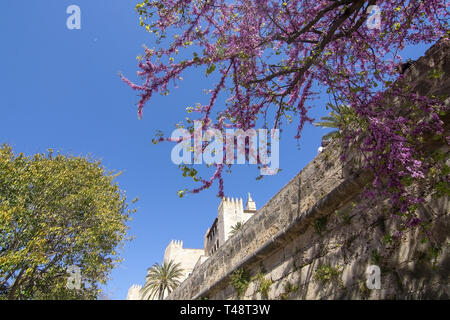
x,y
239,280
326,273
387,239
57,211
439,174
442,189
375,257
341,117
365,292
434,254
189,172
429,256
344,215
435,74
264,284
236,228
210,69
320,225
288,289
159,134
161,279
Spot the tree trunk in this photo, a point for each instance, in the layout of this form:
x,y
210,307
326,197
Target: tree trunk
x,y
15,286
161,293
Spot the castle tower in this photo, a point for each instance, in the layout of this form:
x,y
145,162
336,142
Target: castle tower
x,y
173,250
229,213
186,257
134,292
205,240
250,207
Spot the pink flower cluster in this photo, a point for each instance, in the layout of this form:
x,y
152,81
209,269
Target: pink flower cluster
x,y
269,56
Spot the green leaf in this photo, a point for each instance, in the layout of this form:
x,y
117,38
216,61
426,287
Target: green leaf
x,y
211,69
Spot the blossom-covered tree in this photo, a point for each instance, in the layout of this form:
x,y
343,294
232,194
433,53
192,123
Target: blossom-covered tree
x,y
269,55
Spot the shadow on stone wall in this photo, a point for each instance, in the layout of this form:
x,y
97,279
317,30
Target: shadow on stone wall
x,y
316,237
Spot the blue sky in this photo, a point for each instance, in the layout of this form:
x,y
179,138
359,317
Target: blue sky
x,y
60,89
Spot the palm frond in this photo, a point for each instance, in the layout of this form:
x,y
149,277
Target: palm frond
x,y
341,117
331,135
162,278
236,228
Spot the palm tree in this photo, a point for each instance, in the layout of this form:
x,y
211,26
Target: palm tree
x,y
162,278
235,228
340,117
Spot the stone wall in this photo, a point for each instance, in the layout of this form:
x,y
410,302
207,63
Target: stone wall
x,y
316,237
134,292
185,256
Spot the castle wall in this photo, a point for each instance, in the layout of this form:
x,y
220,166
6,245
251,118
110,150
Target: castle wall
x,y
186,257
247,216
213,236
229,213
233,214
134,292
320,222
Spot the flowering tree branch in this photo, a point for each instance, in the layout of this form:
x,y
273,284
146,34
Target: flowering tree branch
x,y
270,54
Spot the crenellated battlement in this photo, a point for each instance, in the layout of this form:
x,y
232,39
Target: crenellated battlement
x,y
176,244
230,213
134,292
231,204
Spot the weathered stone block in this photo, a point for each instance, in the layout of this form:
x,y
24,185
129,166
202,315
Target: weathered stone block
x,y
293,250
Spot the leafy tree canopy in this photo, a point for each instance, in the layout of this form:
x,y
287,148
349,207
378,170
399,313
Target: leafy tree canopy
x,y
57,211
